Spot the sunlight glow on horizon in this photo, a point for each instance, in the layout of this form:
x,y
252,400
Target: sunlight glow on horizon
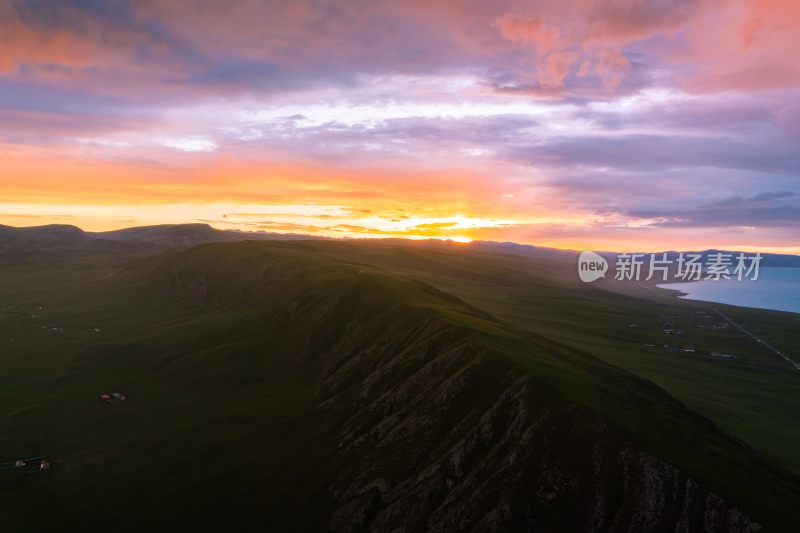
x,y
592,128
329,221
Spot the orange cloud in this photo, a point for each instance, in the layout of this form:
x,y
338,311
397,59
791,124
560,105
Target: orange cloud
x,y
528,29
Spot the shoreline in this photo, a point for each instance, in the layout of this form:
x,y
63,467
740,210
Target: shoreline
x,y
687,296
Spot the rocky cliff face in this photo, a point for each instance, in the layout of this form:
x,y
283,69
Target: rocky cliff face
x,y
445,436
449,439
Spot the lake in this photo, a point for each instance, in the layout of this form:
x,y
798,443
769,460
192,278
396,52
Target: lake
x,y
775,288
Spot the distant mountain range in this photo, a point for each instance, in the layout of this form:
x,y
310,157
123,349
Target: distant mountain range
x,y
767,259
167,234
18,244
15,241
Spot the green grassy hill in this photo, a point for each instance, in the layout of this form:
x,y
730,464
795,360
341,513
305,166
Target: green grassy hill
x,y
354,386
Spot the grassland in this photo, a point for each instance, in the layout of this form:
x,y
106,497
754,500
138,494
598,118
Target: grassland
x,y
199,342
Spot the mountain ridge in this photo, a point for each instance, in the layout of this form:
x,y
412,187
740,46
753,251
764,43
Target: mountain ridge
x,y
361,499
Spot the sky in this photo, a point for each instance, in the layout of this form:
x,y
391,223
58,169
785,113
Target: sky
x,y
585,124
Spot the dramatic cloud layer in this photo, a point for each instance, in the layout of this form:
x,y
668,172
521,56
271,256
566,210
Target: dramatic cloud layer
x,y
633,124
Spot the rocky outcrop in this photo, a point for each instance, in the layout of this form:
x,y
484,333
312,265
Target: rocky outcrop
x,y
445,437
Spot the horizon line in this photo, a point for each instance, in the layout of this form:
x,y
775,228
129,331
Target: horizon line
x,y
412,239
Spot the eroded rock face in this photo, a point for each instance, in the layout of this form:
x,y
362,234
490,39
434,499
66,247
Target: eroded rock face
x,y
463,444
